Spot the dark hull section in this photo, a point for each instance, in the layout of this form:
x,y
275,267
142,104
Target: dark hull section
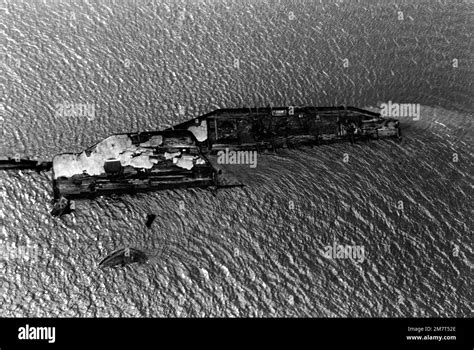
x,y
91,187
133,163
272,128
20,164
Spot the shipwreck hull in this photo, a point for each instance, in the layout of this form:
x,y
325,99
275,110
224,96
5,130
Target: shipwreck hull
x,y
92,187
272,128
131,163
175,158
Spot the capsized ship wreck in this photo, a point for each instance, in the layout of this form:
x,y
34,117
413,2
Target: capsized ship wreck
x,y
281,127
178,157
174,158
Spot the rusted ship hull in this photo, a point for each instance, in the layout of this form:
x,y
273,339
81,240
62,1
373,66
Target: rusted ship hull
x,y
272,128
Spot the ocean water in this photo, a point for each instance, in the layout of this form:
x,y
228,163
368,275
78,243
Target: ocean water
x,y
258,250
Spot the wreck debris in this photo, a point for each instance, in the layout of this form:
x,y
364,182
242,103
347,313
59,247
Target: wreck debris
x,y
10,163
149,220
62,207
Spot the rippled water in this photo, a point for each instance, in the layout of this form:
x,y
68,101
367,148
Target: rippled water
x,y
254,251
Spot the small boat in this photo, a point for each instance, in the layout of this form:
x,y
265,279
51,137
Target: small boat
x,y
124,256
